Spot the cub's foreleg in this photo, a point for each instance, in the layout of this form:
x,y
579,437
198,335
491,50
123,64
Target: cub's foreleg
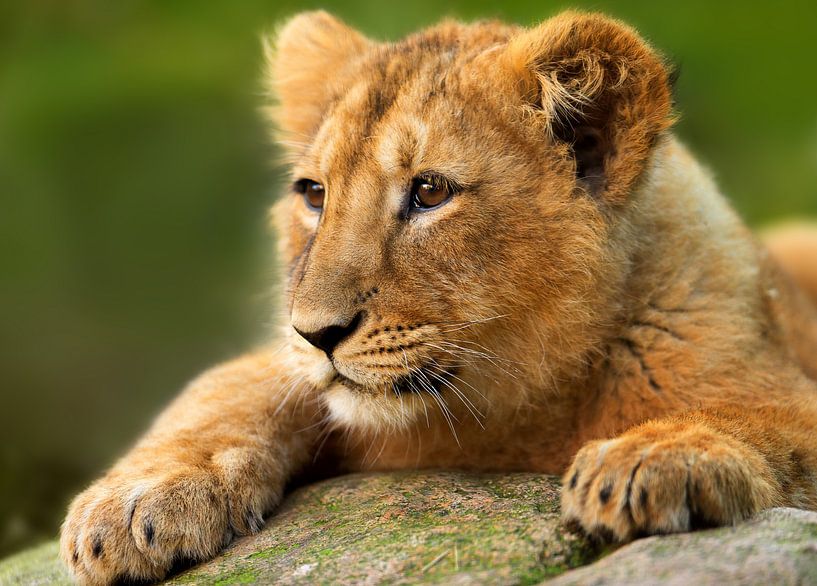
x,y
212,465
698,469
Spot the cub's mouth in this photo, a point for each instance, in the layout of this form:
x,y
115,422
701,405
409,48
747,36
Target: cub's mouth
x,y
418,381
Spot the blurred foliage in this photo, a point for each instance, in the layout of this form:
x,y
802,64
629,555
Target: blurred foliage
x,y
135,176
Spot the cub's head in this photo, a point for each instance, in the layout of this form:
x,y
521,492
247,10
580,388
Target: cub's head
x,y
453,228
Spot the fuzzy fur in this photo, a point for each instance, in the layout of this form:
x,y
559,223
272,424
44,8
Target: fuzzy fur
x,y
587,308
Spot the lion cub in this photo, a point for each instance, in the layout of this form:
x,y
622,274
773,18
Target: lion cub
x,y
498,258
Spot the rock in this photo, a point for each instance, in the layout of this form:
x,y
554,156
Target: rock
x,y
34,567
407,527
778,546
399,527
456,528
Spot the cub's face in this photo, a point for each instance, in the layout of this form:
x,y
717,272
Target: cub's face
x,y
445,233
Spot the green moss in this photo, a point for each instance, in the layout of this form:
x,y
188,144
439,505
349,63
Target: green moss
x,y
490,527
40,565
546,507
482,541
325,553
536,575
246,577
271,552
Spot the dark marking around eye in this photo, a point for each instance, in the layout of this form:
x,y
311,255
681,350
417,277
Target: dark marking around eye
x,y
97,551
300,261
574,480
642,498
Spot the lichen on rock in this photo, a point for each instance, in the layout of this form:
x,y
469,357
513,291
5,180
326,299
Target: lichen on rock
x,y
460,528
778,546
407,527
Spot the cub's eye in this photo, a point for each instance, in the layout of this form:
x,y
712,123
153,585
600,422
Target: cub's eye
x,y
430,191
312,191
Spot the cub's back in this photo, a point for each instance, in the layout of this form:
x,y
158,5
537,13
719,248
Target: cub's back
x,y
794,248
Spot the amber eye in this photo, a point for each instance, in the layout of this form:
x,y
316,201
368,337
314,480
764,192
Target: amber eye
x,y
430,191
312,191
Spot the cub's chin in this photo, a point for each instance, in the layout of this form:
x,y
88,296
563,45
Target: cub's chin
x,y
371,411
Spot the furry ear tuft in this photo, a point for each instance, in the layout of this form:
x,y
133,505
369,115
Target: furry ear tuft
x,y
304,66
598,86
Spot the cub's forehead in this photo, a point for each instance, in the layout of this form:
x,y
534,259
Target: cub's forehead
x,y
397,96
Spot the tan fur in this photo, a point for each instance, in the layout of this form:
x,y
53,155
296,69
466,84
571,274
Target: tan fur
x,y
795,248
587,282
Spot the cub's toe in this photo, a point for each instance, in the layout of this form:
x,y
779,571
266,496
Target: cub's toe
x,y
640,484
137,528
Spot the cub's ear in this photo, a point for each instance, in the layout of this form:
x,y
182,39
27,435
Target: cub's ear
x,y
304,64
594,84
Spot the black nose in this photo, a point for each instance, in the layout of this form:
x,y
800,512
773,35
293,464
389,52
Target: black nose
x,y
328,338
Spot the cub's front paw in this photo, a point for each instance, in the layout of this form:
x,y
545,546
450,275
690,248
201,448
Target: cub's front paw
x,y
136,526
664,477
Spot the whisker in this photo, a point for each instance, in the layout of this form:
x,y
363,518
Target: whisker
x,y
441,402
465,400
469,322
290,389
434,364
382,447
366,455
487,354
326,432
466,351
496,356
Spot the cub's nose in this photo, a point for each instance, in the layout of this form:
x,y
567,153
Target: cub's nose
x,y
328,338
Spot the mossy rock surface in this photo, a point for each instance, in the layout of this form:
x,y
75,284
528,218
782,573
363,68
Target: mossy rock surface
x,y
778,546
406,527
455,528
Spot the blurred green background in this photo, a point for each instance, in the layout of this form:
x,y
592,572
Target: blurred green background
x,y
135,175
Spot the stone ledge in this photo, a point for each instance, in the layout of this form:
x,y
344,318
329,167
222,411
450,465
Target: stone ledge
x,y
457,528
